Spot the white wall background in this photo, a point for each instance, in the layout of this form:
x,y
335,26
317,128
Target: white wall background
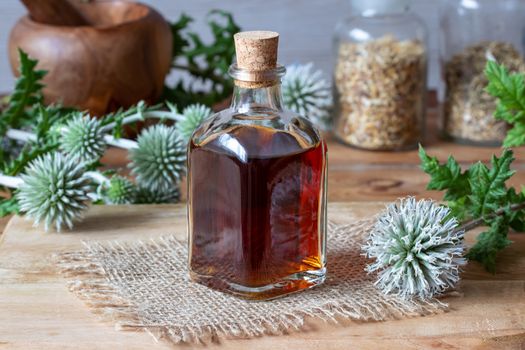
x,y
306,26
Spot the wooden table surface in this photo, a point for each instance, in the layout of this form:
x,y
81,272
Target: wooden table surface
x,y
37,311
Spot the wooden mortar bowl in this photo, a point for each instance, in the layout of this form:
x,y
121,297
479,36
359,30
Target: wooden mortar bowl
x,y
121,59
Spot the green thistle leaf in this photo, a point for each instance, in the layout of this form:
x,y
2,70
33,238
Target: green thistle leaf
x,y
509,89
27,92
205,61
516,217
490,242
515,136
447,177
29,153
8,206
480,193
179,42
488,185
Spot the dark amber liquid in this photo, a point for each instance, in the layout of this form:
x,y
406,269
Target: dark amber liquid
x,y
256,210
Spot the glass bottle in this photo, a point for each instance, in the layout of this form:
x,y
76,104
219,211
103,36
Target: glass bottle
x,y
472,32
257,186
380,76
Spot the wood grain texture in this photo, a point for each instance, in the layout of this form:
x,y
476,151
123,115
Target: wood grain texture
x,y
38,311
54,12
122,58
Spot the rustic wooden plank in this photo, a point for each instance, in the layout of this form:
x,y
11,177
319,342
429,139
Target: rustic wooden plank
x,y
38,311
340,154
357,183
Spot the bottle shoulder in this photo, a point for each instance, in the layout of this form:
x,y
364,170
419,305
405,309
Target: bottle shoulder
x,y
256,136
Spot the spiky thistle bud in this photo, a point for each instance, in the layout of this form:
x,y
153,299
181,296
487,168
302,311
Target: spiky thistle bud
x,y
159,161
118,190
192,116
55,190
82,137
308,94
147,196
417,249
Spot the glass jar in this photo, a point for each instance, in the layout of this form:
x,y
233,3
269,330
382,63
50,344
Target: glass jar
x,y
472,32
380,76
257,186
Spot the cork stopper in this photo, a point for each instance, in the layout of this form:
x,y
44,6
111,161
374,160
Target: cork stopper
x,y
256,53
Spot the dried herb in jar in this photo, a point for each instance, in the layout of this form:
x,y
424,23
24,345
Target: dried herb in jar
x,y
380,93
469,109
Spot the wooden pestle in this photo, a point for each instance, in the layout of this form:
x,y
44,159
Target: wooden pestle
x,y
55,12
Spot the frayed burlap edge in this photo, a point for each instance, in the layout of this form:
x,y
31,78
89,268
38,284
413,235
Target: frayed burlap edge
x,y
89,282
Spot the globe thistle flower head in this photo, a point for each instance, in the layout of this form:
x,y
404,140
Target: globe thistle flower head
x,y
55,190
82,137
159,161
118,190
308,94
190,119
417,248
148,196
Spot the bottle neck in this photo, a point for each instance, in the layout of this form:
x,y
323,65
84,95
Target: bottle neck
x,y
257,100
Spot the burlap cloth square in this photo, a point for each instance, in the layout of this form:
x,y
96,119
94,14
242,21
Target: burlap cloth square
x,y
145,286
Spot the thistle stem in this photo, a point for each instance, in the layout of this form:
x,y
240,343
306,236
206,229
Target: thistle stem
x,y
472,224
10,181
99,179
96,176
120,143
137,117
24,136
20,135
92,196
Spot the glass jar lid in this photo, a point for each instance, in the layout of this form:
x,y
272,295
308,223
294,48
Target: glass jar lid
x,y
380,7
